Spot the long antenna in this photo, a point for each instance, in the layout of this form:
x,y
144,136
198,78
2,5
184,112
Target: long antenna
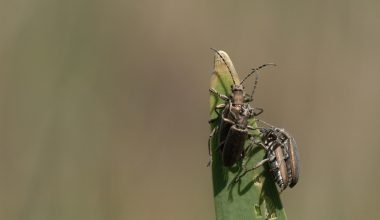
x,y
215,50
257,69
265,123
254,71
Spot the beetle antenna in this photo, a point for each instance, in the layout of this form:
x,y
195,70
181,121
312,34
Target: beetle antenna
x,y
257,69
265,123
228,67
254,71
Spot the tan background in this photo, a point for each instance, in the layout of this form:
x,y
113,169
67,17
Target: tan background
x,y
104,104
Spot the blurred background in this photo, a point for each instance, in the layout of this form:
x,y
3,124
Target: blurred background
x,y
104,104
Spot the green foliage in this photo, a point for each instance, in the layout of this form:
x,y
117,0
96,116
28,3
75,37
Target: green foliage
x,y
256,195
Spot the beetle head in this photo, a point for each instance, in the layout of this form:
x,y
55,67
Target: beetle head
x,y
237,87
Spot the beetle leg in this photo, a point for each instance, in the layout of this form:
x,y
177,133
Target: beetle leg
x,y
220,106
220,146
224,97
248,149
253,113
251,146
252,128
209,144
258,113
237,179
210,138
212,120
260,163
229,121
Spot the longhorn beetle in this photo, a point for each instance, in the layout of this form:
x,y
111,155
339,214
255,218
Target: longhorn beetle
x,y
236,111
281,154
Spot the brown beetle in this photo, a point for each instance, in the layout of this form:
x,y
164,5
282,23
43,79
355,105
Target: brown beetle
x,y
236,111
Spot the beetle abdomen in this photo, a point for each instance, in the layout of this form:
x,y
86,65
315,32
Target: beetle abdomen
x,y
282,174
234,145
223,131
293,163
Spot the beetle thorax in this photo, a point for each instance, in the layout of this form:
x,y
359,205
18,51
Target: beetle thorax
x,y
237,94
242,114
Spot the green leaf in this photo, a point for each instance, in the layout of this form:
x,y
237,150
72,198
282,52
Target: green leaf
x,y
256,195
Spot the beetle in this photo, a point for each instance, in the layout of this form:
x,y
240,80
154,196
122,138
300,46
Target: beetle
x,y
282,156
235,113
